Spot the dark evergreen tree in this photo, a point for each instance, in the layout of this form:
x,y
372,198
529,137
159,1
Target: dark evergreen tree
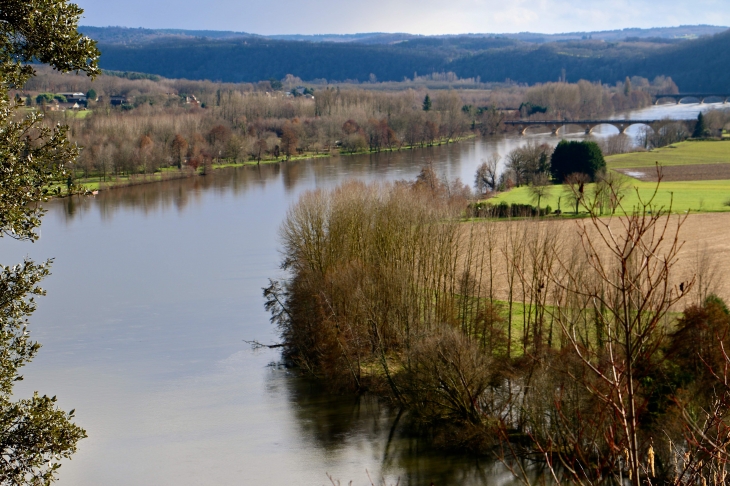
x,y
427,103
576,157
701,130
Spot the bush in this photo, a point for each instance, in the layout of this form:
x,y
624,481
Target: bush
x,y
354,143
506,210
446,377
576,157
44,97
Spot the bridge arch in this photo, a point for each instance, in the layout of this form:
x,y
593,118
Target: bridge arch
x,y
666,100
583,127
638,126
715,99
690,99
592,128
536,129
661,98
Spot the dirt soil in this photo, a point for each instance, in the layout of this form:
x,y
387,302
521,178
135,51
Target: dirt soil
x,y
708,233
704,236
698,172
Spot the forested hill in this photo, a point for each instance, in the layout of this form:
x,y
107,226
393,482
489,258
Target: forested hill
x,y
136,35
695,65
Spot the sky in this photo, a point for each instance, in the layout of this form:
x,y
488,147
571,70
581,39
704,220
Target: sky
x,y
412,16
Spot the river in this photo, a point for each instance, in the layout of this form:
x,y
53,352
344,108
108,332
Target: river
x,y
153,292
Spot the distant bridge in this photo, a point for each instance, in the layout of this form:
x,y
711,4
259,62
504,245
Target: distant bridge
x,y
587,125
678,97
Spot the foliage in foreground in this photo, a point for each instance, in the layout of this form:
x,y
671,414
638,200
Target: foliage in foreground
x,y
593,379
34,434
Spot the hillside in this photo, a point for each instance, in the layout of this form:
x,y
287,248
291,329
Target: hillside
x,y
669,34
700,65
695,64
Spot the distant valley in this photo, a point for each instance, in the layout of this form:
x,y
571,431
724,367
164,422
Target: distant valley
x,y
696,57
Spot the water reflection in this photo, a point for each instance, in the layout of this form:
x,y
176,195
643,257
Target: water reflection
x,y
451,161
341,424
171,194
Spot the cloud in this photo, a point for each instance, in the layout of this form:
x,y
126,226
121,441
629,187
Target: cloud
x,y
413,16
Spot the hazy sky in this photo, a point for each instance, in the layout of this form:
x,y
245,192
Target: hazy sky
x,y
412,16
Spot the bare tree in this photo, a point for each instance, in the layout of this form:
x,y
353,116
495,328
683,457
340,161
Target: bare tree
x,y
528,161
485,179
629,294
616,144
610,189
259,148
540,187
574,189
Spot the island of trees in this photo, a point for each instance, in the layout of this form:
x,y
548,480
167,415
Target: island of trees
x,y
578,351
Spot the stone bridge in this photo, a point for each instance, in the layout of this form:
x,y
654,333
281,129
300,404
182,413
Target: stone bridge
x,y
587,125
678,97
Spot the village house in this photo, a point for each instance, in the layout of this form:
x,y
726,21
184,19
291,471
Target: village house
x,y
117,100
74,97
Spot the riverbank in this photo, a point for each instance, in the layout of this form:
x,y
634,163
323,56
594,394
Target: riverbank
x,y
100,183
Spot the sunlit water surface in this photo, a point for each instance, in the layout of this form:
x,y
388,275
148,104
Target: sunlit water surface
x,y
154,290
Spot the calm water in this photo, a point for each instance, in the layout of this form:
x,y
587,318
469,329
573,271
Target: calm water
x,y
153,291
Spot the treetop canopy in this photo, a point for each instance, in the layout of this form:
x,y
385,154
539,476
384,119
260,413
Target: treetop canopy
x,y
576,157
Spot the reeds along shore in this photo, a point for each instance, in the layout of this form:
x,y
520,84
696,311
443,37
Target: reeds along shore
x,y
583,350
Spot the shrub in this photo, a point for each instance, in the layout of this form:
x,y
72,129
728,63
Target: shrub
x,y
446,378
505,210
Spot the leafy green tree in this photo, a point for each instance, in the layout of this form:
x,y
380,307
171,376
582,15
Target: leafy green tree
x,y
576,157
44,97
427,103
91,94
36,435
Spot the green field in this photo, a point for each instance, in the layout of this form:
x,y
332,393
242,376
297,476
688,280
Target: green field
x,y
682,153
702,196
77,113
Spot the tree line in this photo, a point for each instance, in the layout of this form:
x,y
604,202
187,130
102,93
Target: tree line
x,y
183,124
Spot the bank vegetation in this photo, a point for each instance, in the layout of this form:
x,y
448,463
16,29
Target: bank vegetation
x,y
583,354
180,127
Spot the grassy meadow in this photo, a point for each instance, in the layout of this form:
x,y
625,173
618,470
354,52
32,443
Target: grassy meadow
x,y
695,196
682,153
704,196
